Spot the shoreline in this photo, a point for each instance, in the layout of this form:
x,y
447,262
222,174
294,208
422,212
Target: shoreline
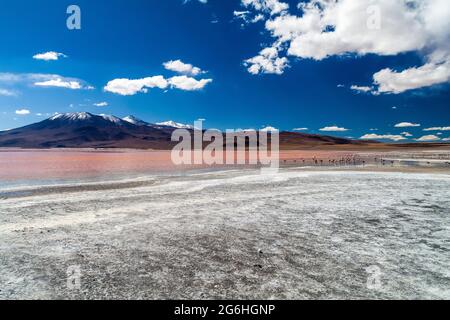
x,y
21,167
149,180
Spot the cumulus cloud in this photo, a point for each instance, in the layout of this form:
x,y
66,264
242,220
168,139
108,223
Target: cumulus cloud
x,y
429,138
407,125
181,67
373,136
129,87
188,83
326,28
23,112
437,129
406,134
49,56
267,62
333,129
271,7
390,81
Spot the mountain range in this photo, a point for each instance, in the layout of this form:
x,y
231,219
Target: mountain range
x,y
86,130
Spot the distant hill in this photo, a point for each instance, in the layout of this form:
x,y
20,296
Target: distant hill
x,y
86,130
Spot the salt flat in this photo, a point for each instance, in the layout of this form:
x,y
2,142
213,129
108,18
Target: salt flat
x,y
230,235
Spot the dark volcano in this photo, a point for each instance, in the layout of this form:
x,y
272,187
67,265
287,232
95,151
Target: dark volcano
x,y
86,130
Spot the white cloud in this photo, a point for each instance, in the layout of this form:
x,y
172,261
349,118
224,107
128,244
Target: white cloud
x,y
7,93
49,56
406,134
300,129
406,125
333,129
373,136
326,28
437,129
187,83
390,81
446,139
43,80
271,7
310,36
246,16
241,15
429,138
101,104
23,112
267,62
128,87
361,88
181,67
60,83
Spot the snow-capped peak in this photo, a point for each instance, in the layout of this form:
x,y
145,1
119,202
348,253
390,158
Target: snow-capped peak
x,y
72,116
83,116
174,124
269,129
111,118
135,121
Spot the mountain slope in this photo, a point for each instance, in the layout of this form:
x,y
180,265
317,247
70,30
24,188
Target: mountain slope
x,y
86,130
135,121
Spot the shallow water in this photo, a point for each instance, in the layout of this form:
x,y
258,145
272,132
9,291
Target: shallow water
x,y
233,234
28,166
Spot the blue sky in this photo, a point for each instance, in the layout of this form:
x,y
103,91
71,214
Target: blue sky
x,y
133,39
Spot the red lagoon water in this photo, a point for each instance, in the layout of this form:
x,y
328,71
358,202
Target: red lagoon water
x,y
47,164
55,164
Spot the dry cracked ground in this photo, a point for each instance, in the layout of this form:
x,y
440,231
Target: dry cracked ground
x,y
230,235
